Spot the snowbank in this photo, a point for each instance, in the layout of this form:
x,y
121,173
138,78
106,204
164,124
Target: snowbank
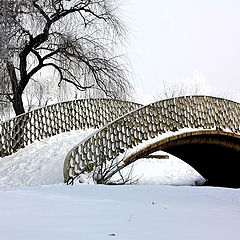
x,y
41,163
172,171
97,212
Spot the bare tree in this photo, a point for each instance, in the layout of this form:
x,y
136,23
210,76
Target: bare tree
x,y
75,38
169,90
105,172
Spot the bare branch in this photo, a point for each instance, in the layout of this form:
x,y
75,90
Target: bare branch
x,y
41,11
77,38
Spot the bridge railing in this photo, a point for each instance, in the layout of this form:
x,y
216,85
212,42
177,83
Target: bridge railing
x,y
54,119
148,122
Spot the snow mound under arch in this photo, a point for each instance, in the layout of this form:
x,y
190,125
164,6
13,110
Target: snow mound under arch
x,y
41,163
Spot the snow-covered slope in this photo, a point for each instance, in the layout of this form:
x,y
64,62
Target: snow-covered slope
x,y
41,163
98,212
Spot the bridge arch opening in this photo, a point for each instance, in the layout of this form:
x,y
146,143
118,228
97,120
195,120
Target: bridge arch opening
x,y
214,154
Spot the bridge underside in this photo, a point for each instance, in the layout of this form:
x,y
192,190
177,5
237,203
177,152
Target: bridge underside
x,y
215,155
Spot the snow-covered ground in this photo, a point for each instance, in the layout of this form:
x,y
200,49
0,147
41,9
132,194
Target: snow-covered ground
x,y
41,163
36,205
172,171
133,212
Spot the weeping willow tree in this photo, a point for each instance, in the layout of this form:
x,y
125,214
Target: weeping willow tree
x,y
78,39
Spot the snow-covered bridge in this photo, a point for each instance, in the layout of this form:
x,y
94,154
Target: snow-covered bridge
x,y
203,131
48,121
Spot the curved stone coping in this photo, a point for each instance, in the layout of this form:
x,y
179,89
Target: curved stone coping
x,y
45,122
149,121
156,146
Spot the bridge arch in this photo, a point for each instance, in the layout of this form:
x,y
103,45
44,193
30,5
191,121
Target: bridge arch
x,y
150,122
213,153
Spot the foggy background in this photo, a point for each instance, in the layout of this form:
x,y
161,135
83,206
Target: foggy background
x,y
195,42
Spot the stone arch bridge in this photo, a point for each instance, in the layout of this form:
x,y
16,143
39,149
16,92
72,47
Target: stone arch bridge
x,y
203,131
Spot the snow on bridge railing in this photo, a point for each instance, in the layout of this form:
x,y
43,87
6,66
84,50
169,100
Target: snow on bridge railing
x,y
148,122
61,117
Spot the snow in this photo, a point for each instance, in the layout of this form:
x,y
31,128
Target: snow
x,y
172,171
36,205
91,212
146,143
41,163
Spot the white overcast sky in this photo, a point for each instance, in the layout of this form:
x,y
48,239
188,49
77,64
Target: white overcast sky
x,y
174,40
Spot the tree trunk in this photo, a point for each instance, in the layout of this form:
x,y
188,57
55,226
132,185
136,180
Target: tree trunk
x,y
17,90
17,103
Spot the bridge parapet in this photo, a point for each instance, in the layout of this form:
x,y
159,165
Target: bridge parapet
x,y
148,122
61,117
